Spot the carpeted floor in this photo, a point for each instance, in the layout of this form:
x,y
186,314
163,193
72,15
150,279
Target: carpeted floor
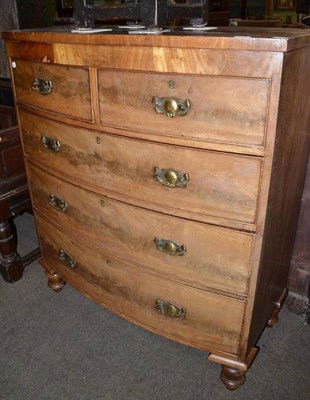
x,y
64,347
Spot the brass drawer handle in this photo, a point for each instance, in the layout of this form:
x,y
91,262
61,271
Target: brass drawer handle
x,y
50,144
42,86
57,203
170,177
66,258
169,247
169,309
171,107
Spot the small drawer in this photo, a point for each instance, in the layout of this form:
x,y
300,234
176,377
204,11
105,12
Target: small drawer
x,y
56,88
203,255
198,317
212,108
205,184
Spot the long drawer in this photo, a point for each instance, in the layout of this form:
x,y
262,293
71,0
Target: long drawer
x,y
60,89
188,251
206,183
213,108
197,317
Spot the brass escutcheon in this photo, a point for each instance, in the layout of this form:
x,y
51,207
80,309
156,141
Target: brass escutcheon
x,y
170,177
169,309
42,86
57,203
66,258
169,247
171,106
50,144
171,84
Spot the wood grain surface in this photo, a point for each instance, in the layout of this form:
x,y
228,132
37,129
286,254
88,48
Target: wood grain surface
x,y
235,63
244,143
70,88
288,173
211,322
232,38
221,185
216,258
125,100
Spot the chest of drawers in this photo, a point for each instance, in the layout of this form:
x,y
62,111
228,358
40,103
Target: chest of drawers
x,y
166,174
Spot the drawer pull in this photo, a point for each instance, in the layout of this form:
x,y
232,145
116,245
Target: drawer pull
x,y
50,144
42,86
170,177
171,107
169,309
66,258
57,203
169,247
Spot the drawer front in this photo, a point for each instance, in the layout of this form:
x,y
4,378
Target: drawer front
x,y
60,89
189,251
211,321
221,185
223,109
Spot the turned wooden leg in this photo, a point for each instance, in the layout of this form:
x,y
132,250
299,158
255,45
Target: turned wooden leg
x,y
233,371
55,281
274,318
11,265
232,377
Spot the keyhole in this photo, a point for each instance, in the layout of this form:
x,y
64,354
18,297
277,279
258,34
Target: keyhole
x,y
98,140
171,84
41,71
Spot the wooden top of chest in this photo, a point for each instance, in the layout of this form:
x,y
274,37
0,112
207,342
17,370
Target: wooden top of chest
x,y
235,38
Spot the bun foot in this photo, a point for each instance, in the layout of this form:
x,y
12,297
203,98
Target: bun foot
x,y
55,281
233,371
232,378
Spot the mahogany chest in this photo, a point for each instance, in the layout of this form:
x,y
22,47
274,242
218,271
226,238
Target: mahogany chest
x,y
166,174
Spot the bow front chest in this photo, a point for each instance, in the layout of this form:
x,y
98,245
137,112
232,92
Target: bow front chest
x,y
166,174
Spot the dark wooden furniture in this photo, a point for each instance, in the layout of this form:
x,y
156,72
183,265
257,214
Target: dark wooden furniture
x,y
166,175
151,13
14,196
218,13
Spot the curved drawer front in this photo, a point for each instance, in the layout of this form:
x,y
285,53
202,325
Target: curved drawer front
x,y
218,184
64,90
224,109
189,251
210,321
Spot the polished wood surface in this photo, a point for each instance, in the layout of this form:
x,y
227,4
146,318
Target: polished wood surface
x,y
108,224
244,145
242,104
288,174
70,88
221,185
233,38
211,321
159,58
